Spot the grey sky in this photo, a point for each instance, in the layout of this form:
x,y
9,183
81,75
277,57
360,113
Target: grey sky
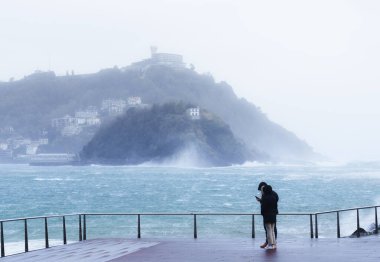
x,y
312,66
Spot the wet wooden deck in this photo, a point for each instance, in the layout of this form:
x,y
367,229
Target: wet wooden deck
x,y
236,250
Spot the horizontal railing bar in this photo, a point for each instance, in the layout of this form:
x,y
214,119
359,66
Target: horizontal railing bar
x,y
38,217
168,214
294,214
344,210
190,214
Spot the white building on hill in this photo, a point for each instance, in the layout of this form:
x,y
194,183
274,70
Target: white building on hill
x,y
114,106
134,101
3,146
88,117
90,112
173,61
71,130
194,113
32,148
70,126
60,123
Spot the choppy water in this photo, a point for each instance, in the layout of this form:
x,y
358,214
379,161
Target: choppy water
x,y
34,191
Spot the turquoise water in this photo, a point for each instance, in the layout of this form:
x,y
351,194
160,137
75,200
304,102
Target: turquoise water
x,y
34,191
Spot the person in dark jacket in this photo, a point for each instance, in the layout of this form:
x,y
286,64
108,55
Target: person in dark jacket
x,y
261,188
269,212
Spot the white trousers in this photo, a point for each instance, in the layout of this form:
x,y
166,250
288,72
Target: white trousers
x,y
270,233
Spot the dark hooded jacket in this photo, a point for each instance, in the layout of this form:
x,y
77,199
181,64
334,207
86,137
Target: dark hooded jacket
x,y
273,192
269,208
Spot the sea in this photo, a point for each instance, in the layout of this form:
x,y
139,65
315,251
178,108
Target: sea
x,y
28,191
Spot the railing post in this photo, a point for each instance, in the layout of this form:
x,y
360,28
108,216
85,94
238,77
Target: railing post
x,y
337,225
64,230
84,228
2,240
80,227
253,226
138,226
376,222
311,226
357,223
195,226
316,225
46,234
26,235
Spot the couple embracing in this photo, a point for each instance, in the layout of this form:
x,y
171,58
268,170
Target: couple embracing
x,y
269,211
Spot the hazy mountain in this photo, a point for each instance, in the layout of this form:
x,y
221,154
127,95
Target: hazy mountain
x,y
28,105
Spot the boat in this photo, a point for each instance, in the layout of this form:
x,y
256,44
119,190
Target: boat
x,y
58,159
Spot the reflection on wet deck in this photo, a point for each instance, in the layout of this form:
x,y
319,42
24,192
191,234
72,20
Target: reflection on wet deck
x,y
118,250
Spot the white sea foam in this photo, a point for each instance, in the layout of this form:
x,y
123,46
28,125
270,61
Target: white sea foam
x,y
221,195
55,179
251,164
295,177
275,164
189,156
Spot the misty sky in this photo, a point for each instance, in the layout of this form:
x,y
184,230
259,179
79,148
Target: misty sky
x,y
312,66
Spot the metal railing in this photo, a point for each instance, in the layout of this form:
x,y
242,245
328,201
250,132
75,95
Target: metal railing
x,y
82,226
338,212
195,216
46,229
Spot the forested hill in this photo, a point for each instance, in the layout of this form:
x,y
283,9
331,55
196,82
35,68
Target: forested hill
x,y
28,105
167,134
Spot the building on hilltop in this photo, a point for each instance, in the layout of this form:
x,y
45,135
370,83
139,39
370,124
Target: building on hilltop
x,y
90,112
70,126
134,101
8,130
60,123
88,117
173,61
71,130
114,106
43,141
32,148
4,145
20,141
194,113
6,154
93,121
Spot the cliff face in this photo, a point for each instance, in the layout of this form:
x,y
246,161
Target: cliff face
x,y
166,134
29,105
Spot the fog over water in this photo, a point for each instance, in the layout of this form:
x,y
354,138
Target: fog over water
x,y
311,66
